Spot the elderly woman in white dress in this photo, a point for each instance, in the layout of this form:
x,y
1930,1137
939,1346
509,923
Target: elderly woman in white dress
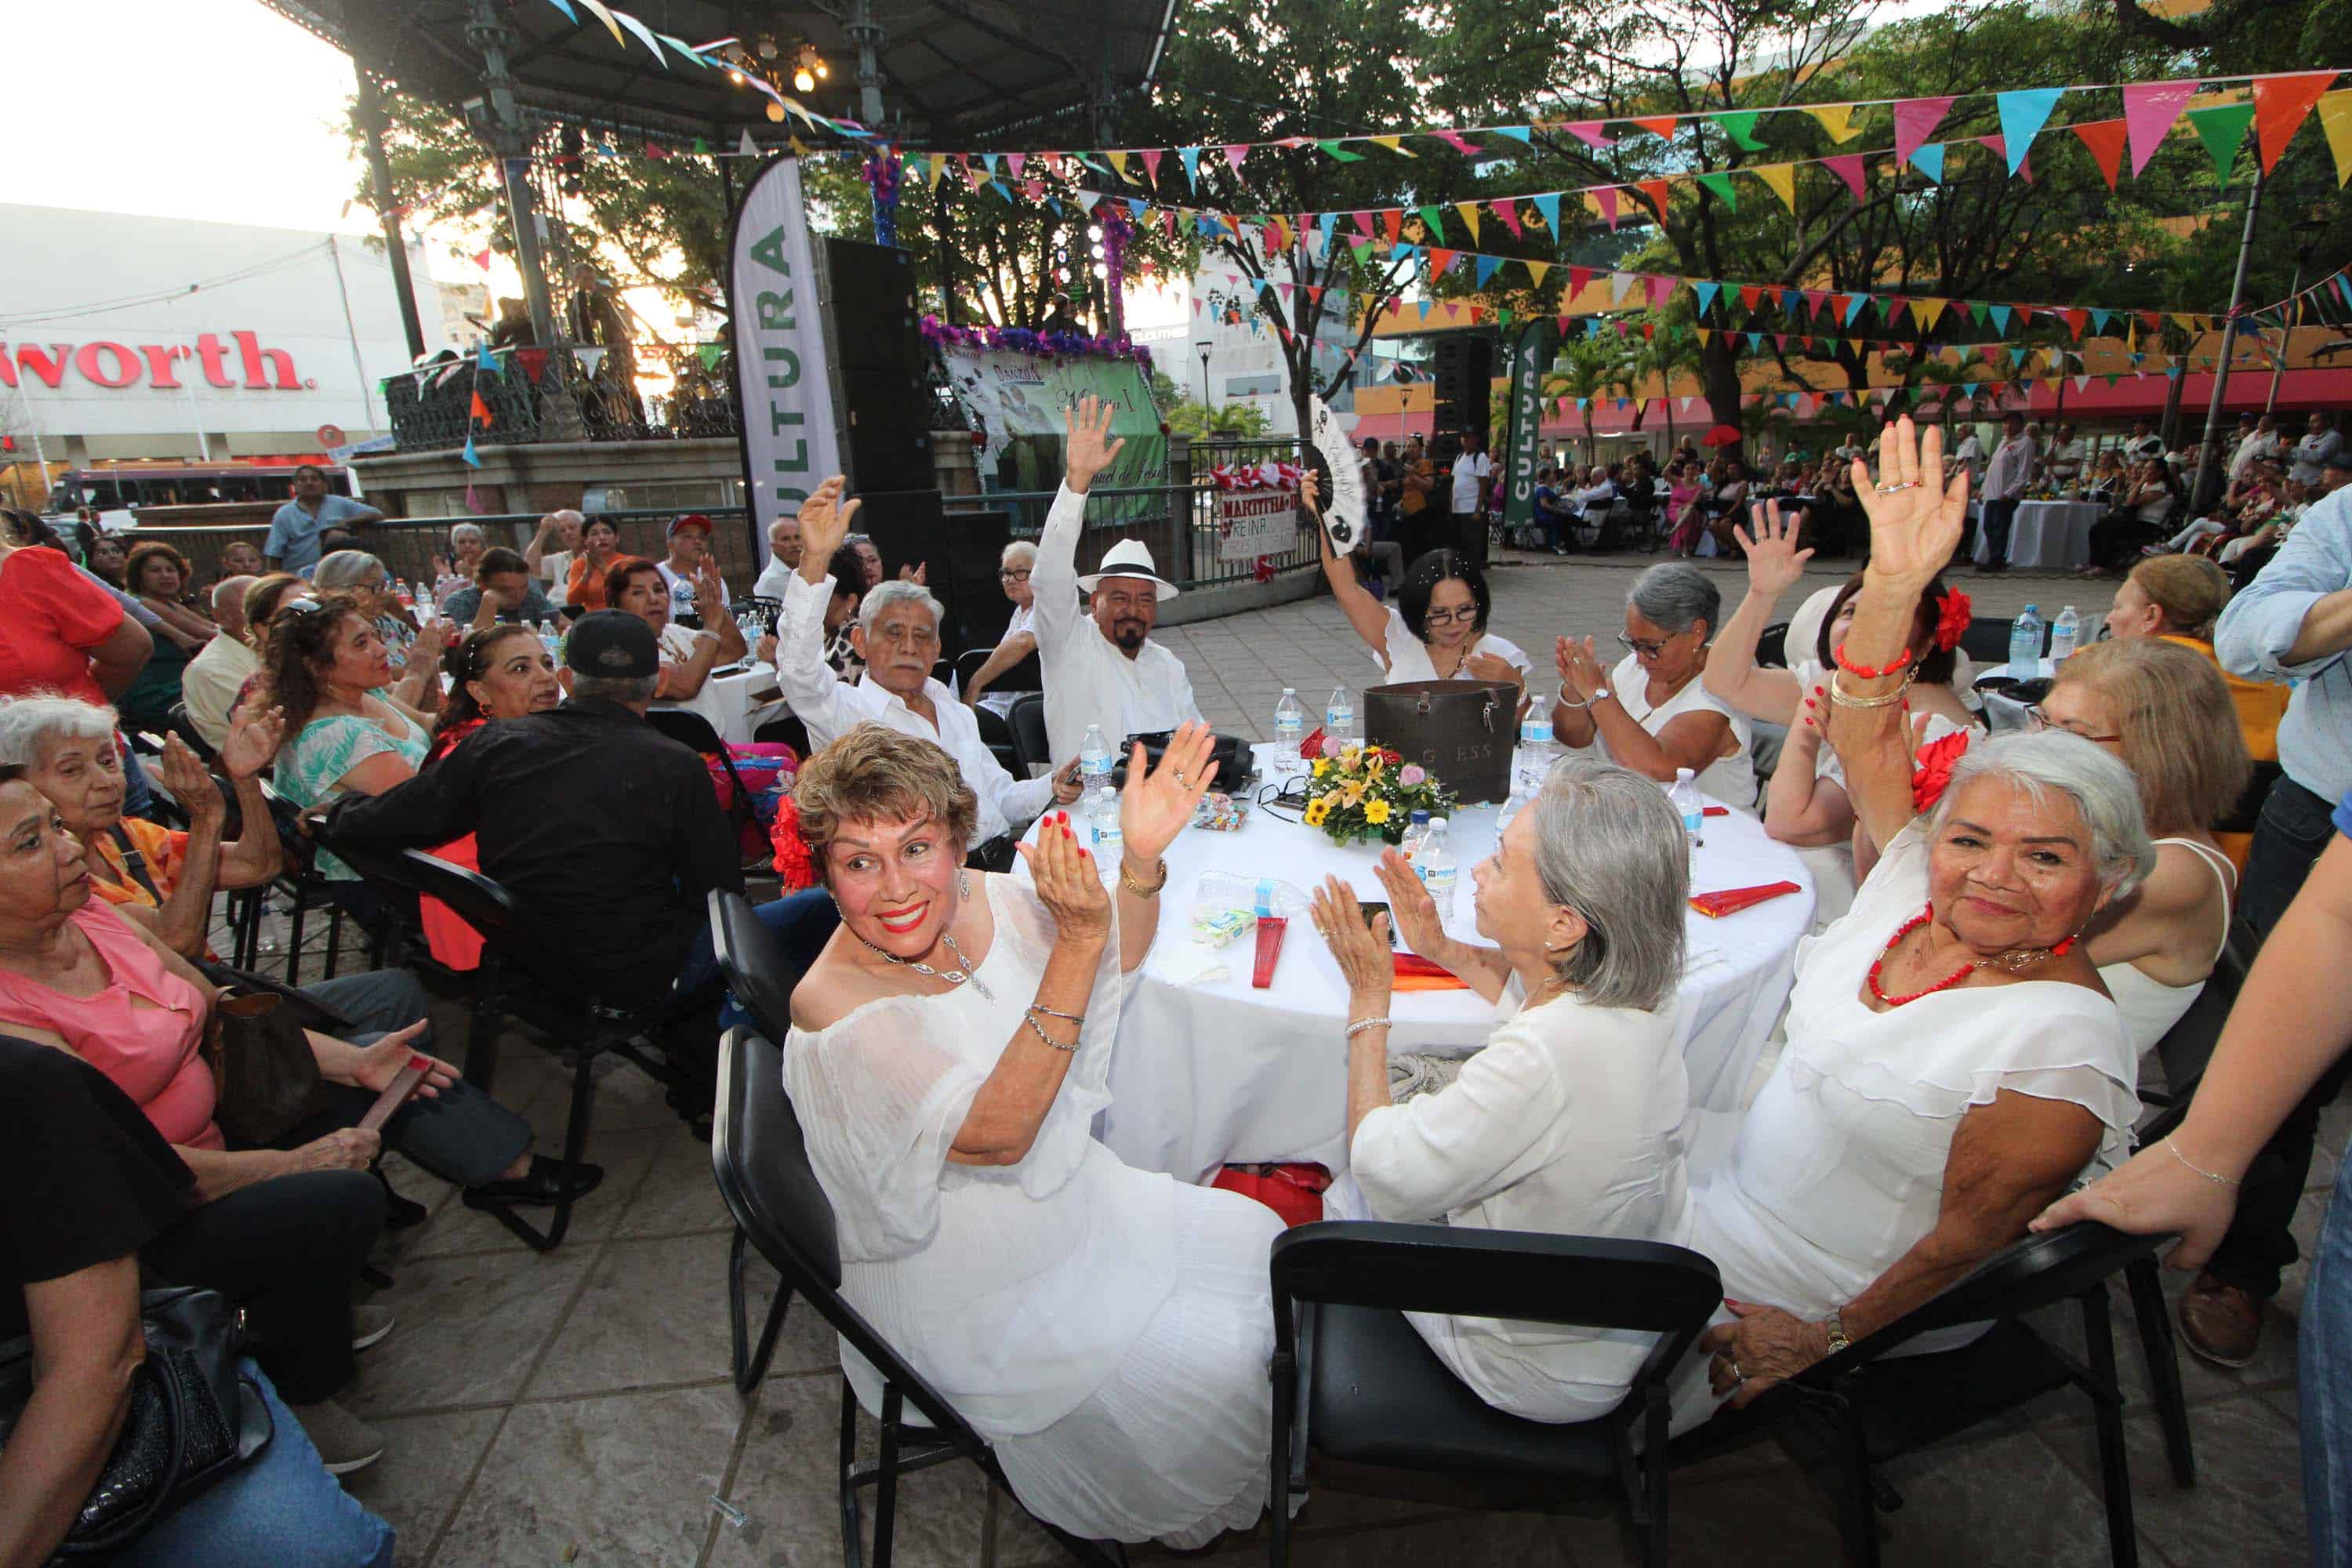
x,y
1437,629
1107,1329
1653,713
1569,1120
1954,1063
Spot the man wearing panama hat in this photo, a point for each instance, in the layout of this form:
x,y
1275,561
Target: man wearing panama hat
x,y
1107,671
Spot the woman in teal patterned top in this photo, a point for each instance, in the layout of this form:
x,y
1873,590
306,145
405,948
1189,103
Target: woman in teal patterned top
x,y
330,670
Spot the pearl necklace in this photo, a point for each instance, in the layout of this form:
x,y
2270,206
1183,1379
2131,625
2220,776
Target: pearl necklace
x,y
952,977
2014,961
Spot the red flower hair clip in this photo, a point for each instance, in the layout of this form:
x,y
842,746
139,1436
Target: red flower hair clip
x,y
1952,614
794,865
1931,770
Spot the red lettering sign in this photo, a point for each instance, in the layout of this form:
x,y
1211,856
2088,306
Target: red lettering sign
x,y
114,365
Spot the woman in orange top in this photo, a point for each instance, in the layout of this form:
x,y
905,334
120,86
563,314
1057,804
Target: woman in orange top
x,y
584,586
162,878
2179,598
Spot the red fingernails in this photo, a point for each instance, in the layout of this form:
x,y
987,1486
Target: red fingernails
x,y
1085,853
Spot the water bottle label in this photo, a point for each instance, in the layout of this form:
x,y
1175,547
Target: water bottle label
x,y
1535,732
1262,896
1694,822
1290,729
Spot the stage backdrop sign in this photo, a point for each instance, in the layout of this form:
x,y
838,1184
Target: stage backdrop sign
x,y
791,441
1016,401
1251,523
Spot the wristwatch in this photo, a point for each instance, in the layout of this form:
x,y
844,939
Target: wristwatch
x,y
1597,693
1836,1327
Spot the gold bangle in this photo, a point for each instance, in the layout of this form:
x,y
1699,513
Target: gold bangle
x,y
1839,698
1126,880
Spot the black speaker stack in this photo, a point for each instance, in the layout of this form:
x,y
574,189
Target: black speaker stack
x,y
1465,364
878,367
959,556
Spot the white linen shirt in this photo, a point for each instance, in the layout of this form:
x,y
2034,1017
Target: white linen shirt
x,y
1087,680
2010,470
1470,471
829,706
774,578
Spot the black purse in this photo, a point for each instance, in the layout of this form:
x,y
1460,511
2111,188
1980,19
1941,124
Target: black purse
x,y
193,1418
264,1074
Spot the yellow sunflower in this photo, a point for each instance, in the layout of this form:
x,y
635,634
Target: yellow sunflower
x,y
1322,766
1317,809
1376,812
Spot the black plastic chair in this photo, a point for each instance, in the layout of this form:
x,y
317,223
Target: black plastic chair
x,y
1986,640
176,718
1874,1408
524,979
1355,1382
760,973
761,1164
996,734
1772,647
694,731
1031,746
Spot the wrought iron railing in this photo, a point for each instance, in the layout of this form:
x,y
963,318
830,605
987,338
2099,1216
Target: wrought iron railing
x,y
1178,523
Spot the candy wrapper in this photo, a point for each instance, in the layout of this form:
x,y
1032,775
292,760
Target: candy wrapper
x,y
1220,813
1221,928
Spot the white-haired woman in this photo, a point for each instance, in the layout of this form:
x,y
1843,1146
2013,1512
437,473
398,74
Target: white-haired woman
x,y
466,543
1569,1120
1953,1062
1107,1329
1020,638
1653,713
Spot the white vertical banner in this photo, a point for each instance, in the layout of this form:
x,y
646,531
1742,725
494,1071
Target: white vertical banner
x,y
791,444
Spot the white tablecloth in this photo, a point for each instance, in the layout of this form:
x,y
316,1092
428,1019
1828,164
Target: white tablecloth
x,y
1217,1072
2048,533
726,700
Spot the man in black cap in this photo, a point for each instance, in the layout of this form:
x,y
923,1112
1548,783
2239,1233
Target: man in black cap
x,y
607,832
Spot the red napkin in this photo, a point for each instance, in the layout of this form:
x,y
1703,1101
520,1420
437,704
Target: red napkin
x,y
1414,972
1731,900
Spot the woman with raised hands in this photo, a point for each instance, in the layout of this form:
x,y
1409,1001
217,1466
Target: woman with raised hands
x,y
1106,1329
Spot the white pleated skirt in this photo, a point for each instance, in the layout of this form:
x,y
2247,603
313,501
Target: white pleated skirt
x,y
1175,1445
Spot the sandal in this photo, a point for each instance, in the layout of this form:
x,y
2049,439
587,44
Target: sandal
x,y
544,1184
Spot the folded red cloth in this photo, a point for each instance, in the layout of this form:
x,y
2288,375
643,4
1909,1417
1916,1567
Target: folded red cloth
x,y
1731,900
1414,972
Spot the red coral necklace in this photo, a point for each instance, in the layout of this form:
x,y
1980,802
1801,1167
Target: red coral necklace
x,y
2014,961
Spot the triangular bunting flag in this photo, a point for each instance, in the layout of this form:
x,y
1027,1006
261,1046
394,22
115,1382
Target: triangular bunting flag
x,y
1549,206
1191,158
1915,120
1605,200
1430,221
1664,125
2336,121
1536,270
1926,311
2023,114
1837,118
1928,159
1847,166
1656,191
2149,109
1721,187
1662,289
1620,283
1705,292
1340,153
745,147
467,455
1469,211
479,413
1438,260
1394,145
588,359
1233,156
2222,128
1508,211
1589,133
1488,265
2280,104
1739,124
1781,178
2104,138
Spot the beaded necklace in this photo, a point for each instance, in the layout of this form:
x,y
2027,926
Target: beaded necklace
x,y
2014,961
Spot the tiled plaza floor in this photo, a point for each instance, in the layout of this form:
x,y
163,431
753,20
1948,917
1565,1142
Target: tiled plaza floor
x,y
576,1407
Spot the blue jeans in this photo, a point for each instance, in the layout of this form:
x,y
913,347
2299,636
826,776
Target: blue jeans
x,y
803,923
283,1509
2326,1352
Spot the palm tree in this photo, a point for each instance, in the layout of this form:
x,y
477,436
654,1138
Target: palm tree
x,y
1664,355
1587,369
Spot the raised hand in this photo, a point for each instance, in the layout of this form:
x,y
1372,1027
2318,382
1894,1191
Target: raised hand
x,y
1086,448
1154,807
189,784
382,1062
1310,493
253,738
1416,911
1069,883
709,591
1494,667
1916,518
1774,561
1360,949
918,574
824,524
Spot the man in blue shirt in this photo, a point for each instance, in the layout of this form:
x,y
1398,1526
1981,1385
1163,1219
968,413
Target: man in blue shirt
x,y
293,542
2294,622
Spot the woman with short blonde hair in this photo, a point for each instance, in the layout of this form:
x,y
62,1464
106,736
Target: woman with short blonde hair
x,y
1107,1329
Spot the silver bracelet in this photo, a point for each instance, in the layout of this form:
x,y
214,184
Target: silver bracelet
x,y
1038,1029
1586,704
1360,1024
2217,1181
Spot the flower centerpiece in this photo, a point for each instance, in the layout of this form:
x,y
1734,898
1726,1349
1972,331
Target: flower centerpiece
x,y
1357,793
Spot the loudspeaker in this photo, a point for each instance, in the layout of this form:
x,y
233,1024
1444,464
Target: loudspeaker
x,y
879,365
1464,365
958,555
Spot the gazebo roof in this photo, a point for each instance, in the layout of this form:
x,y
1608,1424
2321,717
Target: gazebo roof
x,y
953,71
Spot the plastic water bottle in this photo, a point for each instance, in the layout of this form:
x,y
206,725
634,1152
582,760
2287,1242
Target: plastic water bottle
x,y
1290,731
1436,867
1690,805
2064,632
1099,803
1531,764
1416,833
1339,715
405,593
1252,895
2025,646
547,640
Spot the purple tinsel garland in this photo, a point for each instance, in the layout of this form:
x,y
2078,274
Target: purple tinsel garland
x,y
883,175
1021,340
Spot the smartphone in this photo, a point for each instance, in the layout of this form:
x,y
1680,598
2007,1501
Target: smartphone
x,y
1367,910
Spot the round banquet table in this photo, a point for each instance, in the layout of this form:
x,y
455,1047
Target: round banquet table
x,y
726,699
2048,533
1213,1071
